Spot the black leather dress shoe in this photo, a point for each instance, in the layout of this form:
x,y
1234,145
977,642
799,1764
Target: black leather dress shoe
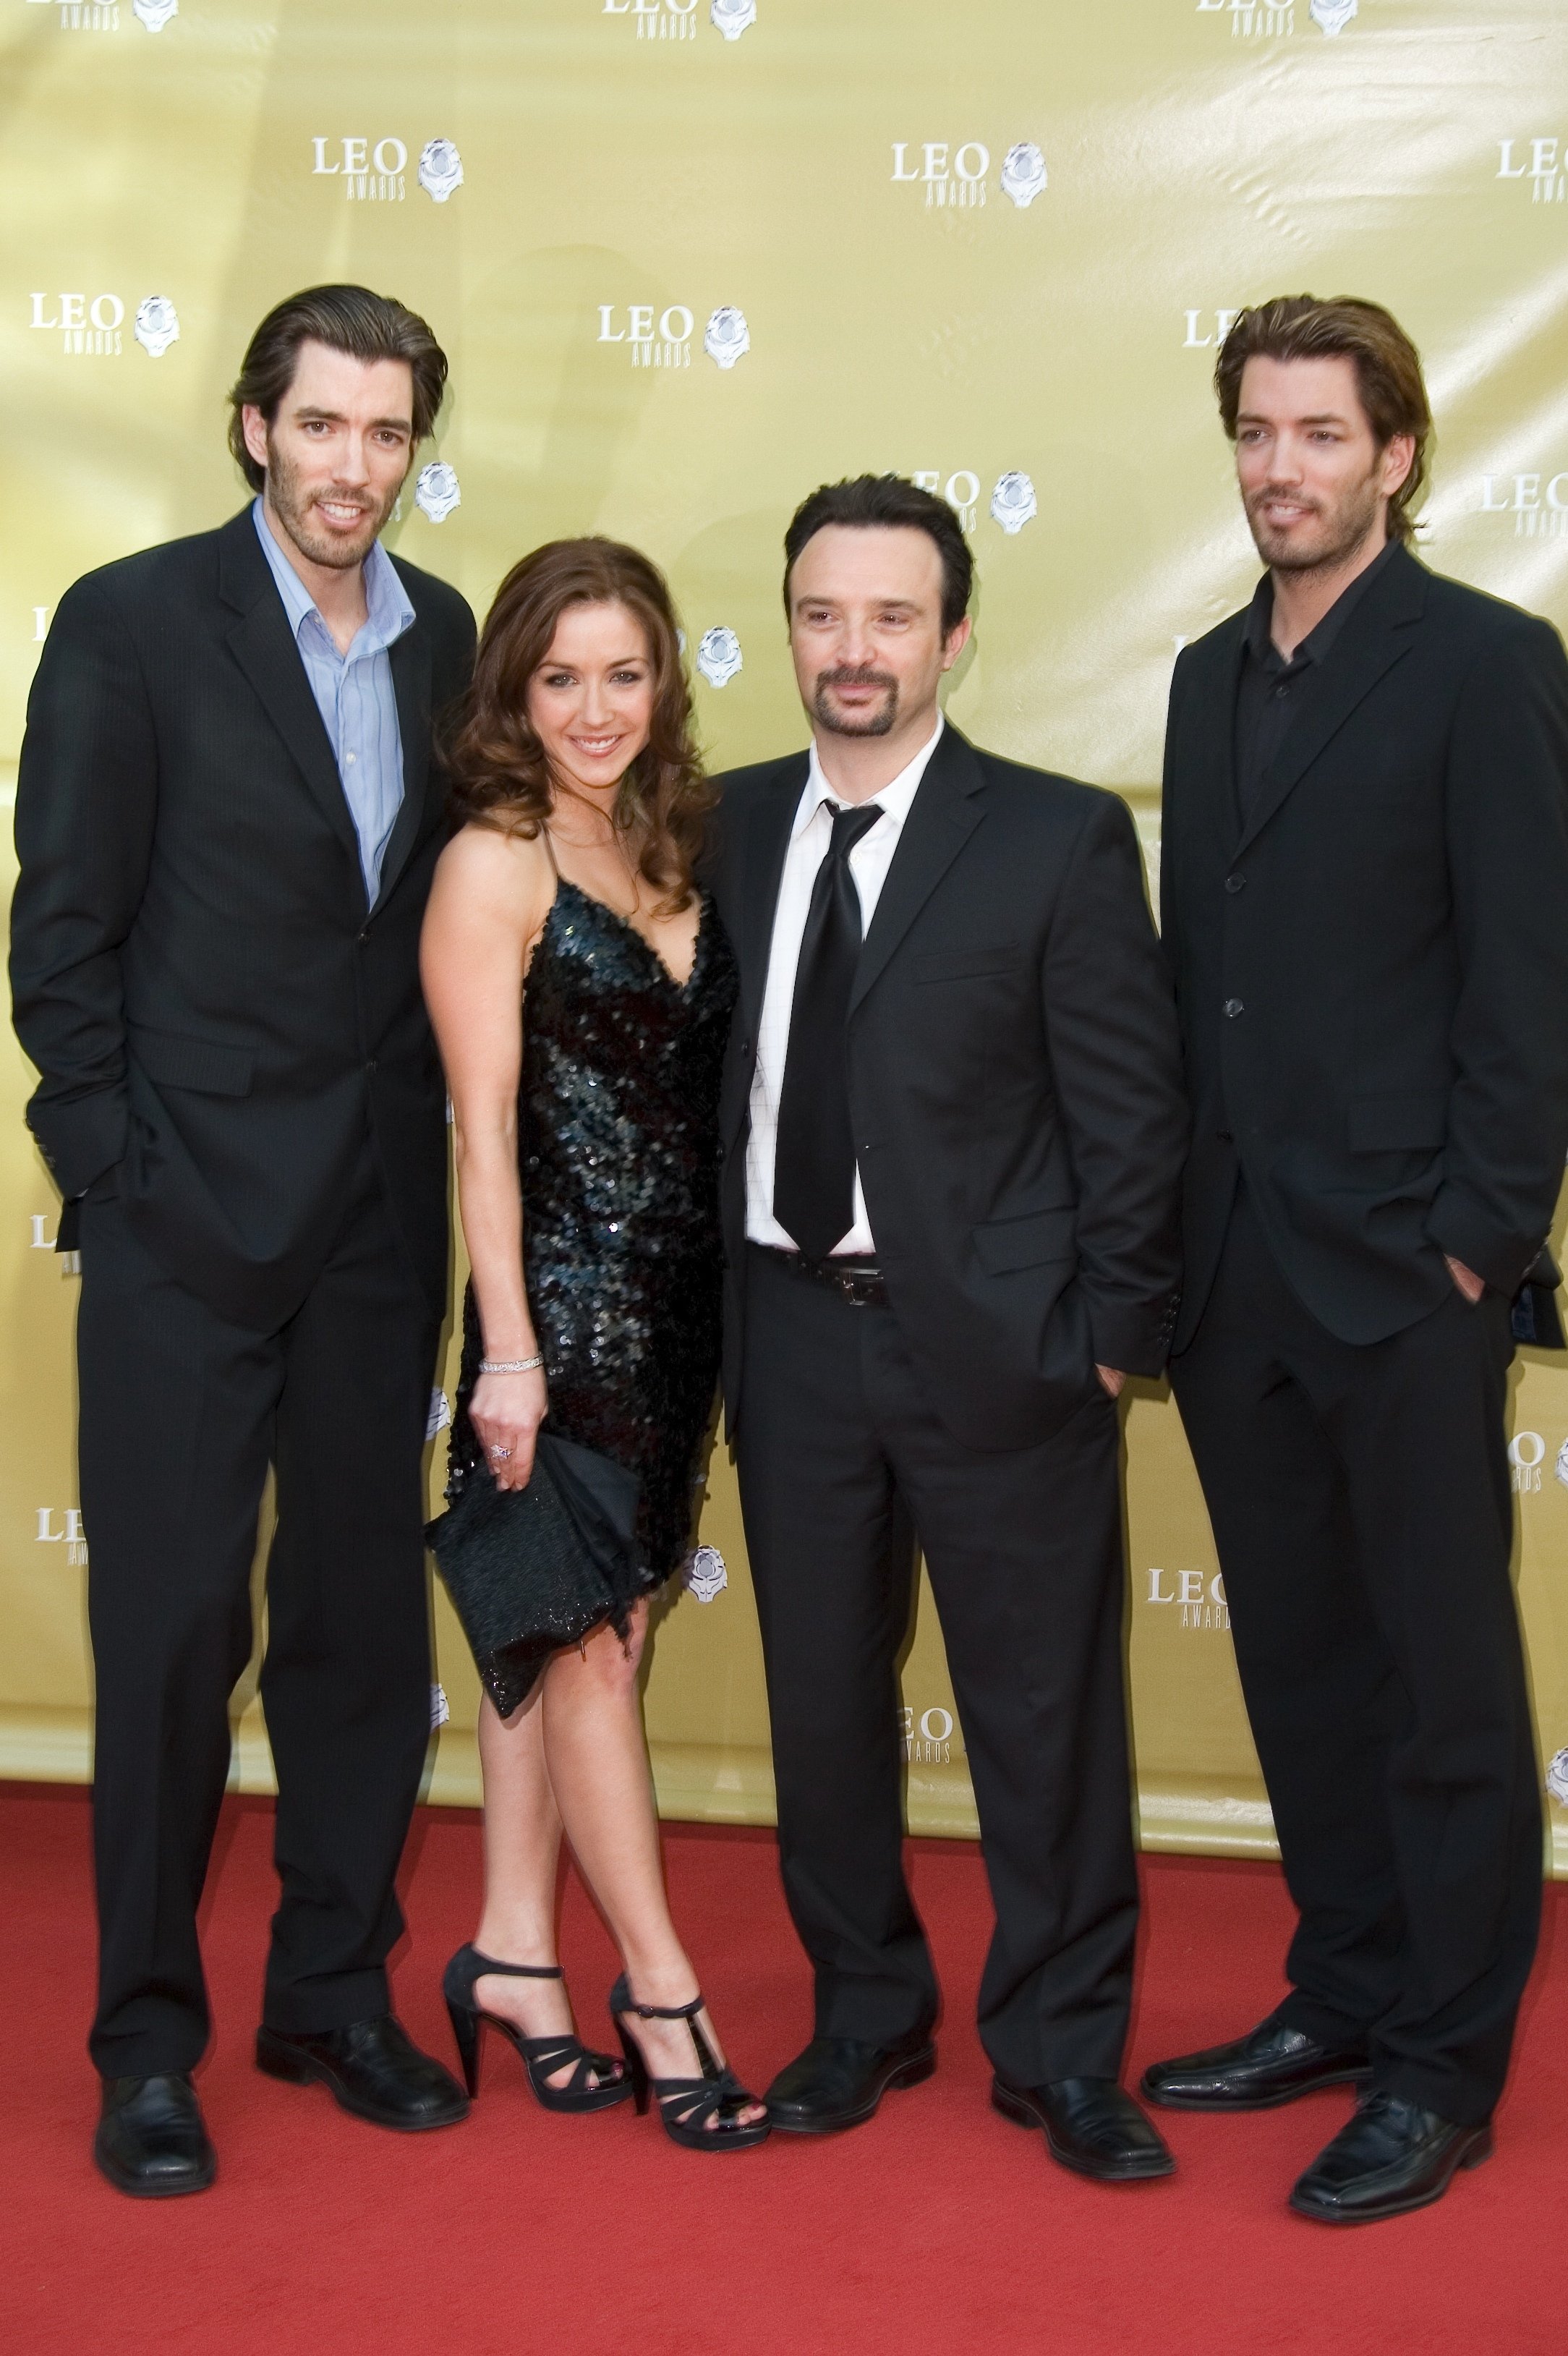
x,y
1091,2124
373,2068
1274,2065
151,2141
837,2082
1391,2158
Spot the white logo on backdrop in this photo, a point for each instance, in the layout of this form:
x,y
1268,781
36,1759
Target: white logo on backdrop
x,y
1527,1454
39,1221
677,20
706,1575
157,325
436,493
93,328
438,1415
441,169
154,14
958,177
670,348
373,171
1557,1777
1013,503
440,1708
928,1741
727,339
1023,173
1560,1470
1538,503
1333,15
719,656
1252,20
71,1536
1213,335
1546,170
84,15
1201,1606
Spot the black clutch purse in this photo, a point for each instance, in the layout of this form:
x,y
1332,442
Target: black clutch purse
x,y
532,1570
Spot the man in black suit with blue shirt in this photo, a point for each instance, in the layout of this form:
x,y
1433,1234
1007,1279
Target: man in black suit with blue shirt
x,y
227,817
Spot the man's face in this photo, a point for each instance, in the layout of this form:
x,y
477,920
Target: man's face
x,y
865,627
1313,482
337,452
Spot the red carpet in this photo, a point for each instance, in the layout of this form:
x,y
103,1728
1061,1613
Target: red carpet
x,y
937,2230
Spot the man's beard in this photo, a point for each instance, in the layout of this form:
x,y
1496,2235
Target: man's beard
x,y
1344,528
879,722
292,502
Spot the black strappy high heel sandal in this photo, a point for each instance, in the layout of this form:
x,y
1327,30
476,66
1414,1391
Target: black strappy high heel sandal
x,y
540,2056
686,2104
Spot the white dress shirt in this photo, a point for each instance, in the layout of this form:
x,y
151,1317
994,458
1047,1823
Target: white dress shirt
x,y
868,863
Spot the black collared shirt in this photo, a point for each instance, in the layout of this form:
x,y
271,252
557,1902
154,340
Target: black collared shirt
x,y
1271,692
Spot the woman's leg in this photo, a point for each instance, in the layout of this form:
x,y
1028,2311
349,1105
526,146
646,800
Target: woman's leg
x,y
522,1843
598,1762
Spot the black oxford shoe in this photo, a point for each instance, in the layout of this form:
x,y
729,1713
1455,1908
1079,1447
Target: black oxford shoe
x,y
1274,2065
837,2082
373,2068
151,2141
1391,2158
1091,2124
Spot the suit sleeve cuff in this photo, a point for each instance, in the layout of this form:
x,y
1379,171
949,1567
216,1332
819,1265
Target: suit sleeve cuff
x,y
1457,1226
1135,1339
83,1140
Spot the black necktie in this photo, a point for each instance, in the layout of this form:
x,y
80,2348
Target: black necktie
x,y
814,1167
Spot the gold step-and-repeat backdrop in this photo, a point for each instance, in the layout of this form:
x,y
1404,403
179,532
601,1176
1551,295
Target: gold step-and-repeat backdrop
x,y
690,258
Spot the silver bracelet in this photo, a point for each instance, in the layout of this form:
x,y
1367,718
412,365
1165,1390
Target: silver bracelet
x,y
509,1365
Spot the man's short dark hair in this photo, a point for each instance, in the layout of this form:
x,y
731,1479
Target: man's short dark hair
x,y
891,503
346,319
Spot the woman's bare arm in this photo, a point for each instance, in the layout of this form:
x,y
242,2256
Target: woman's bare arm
x,y
487,905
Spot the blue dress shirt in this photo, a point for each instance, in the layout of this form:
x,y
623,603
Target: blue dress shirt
x,y
353,692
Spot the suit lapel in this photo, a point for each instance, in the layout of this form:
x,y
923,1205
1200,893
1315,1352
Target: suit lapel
x,y
946,809
412,664
1373,638
767,842
264,648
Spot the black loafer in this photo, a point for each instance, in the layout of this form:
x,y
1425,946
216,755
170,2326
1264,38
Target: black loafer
x,y
1271,2065
1091,2124
837,2082
151,2141
1391,2158
373,2068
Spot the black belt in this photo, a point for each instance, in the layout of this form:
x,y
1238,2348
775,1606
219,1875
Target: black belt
x,y
851,1275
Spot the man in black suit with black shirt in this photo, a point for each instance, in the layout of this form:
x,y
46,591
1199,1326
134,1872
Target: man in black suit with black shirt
x,y
227,817
1365,895
953,1132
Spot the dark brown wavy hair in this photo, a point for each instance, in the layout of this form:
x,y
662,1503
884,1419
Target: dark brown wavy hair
x,y
497,770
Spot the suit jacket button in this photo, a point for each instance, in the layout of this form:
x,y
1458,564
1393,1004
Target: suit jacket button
x,y
1233,1007
1235,882
371,1064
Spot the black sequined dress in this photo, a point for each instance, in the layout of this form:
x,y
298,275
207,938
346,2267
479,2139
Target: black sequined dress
x,y
618,1147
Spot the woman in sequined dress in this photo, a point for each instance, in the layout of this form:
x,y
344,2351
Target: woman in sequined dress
x,y
581,988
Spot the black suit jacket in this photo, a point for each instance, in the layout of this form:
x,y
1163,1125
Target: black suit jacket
x,y
214,1011
1013,1077
1372,972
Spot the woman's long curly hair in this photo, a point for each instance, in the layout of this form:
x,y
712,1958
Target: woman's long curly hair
x,y
497,769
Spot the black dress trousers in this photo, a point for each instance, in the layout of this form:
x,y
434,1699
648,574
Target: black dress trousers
x,y
181,1414
1360,1502
843,1467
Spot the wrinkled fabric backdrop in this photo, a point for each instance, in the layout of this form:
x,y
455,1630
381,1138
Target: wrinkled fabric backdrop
x,y
690,258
